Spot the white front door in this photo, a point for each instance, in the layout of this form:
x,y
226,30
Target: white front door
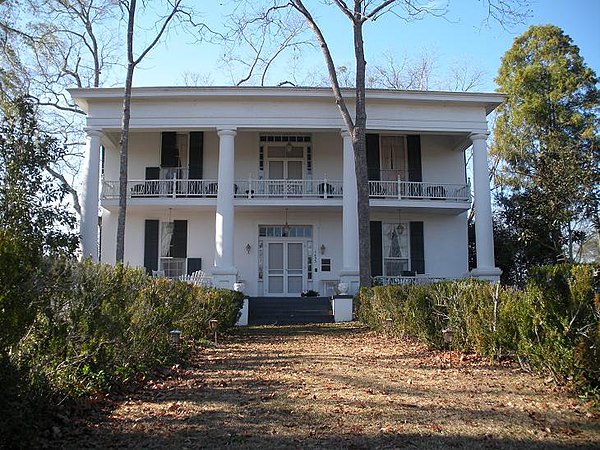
x,y
285,268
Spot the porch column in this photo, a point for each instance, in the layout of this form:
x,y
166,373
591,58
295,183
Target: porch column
x,y
484,236
88,227
350,272
224,271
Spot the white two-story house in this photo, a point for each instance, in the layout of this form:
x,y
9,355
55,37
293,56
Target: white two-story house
x,y
258,184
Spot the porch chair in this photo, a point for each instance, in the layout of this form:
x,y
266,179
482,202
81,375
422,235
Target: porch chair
x,y
198,278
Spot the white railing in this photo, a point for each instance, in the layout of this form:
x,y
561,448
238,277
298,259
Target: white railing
x,y
288,188
396,280
399,189
324,188
162,188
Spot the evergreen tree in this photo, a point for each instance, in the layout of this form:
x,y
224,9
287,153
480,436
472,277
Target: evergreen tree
x,y
32,204
546,137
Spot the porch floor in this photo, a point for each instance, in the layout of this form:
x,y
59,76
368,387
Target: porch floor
x,y
289,310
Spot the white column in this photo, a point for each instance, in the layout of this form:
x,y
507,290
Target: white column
x,y
484,236
224,271
88,227
350,272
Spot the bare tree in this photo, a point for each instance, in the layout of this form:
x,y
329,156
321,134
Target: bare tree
x,y
255,39
197,79
173,9
50,46
463,76
404,73
358,13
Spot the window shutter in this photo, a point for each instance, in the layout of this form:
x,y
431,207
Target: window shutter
x,y
373,167
414,158
417,247
152,173
179,239
193,264
196,154
151,245
169,155
376,249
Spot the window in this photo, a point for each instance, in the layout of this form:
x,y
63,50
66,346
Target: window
x,y
303,231
393,158
173,248
395,249
174,155
285,157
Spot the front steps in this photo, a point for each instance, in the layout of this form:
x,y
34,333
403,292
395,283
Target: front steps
x,y
289,310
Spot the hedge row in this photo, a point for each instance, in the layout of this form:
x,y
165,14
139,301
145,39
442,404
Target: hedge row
x,y
553,324
71,329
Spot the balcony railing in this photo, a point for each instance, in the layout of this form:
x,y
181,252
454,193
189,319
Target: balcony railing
x,y
258,189
289,188
399,189
242,189
162,188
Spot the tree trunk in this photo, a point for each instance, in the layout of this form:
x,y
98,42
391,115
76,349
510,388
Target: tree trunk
x,y
359,142
131,64
357,129
120,254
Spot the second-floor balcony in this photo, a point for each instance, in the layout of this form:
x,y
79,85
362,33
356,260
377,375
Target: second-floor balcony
x,y
287,189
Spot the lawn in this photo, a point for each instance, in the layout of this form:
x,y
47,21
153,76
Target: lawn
x,y
337,386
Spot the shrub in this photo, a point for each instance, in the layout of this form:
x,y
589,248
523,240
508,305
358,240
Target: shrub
x,y
559,329
104,323
78,328
553,323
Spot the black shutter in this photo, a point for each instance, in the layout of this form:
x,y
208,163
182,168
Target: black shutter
x,y
151,245
196,155
373,167
417,247
193,265
152,173
169,156
414,158
376,249
179,239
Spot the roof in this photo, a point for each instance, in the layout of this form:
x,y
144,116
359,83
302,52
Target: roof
x,y
83,96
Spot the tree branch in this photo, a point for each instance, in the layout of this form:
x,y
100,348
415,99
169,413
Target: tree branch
x,y
67,187
335,86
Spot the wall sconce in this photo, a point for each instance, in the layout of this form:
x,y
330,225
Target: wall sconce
x,y
322,249
248,248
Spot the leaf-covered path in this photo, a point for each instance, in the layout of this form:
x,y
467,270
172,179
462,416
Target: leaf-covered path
x,y
338,386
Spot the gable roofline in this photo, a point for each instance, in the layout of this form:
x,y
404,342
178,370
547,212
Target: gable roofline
x,y
83,96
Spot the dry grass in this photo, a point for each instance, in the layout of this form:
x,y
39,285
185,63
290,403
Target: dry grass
x,y
340,386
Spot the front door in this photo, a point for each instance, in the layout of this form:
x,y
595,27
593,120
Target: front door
x,y
285,268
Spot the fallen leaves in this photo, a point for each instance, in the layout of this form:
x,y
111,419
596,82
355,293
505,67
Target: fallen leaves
x,y
337,386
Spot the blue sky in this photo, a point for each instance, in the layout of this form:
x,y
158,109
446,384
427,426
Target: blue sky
x,y
458,37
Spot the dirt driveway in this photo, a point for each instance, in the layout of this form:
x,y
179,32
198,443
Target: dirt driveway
x,y
340,386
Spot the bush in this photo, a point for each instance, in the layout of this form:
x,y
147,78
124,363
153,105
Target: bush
x,y
71,329
104,323
553,324
560,326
